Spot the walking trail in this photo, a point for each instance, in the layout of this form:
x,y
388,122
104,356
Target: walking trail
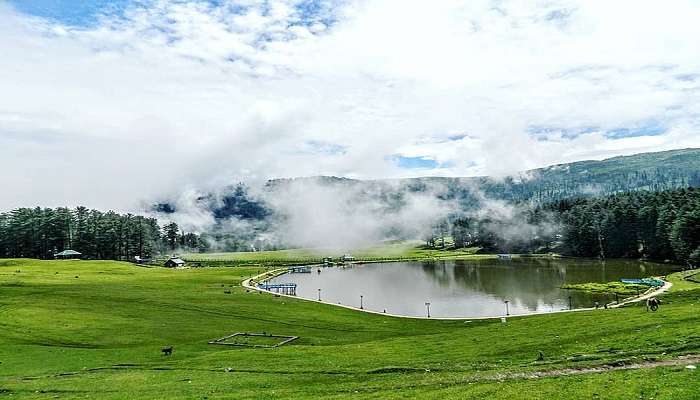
x,y
687,360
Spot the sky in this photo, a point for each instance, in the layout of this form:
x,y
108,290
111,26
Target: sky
x,y
111,103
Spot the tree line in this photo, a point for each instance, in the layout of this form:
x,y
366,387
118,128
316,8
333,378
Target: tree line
x,y
653,225
44,232
656,225
637,224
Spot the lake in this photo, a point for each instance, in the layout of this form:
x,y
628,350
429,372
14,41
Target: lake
x,y
467,288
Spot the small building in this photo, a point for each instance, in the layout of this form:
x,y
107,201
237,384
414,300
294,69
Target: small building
x,y
347,257
175,263
141,260
68,255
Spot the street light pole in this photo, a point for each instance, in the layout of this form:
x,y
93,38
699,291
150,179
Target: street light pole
x,y
507,310
319,294
427,306
361,305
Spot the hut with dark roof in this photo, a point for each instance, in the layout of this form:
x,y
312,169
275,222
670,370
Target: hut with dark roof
x,y
175,262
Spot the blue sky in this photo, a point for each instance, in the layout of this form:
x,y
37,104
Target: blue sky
x,y
649,129
415,162
646,128
70,12
86,13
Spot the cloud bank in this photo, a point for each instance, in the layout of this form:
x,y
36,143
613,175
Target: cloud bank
x,y
158,97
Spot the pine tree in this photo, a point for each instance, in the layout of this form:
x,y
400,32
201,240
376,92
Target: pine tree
x,y
170,234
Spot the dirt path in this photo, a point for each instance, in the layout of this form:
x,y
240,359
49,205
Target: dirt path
x,y
680,361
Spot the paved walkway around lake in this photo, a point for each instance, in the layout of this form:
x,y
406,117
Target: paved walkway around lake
x,y
647,295
281,271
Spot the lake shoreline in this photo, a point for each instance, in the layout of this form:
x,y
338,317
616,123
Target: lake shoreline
x,y
251,284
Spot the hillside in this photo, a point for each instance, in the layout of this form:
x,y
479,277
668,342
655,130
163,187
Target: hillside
x,y
96,329
332,211
646,171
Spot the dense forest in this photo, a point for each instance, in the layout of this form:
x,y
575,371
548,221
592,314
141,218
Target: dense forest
x,y
43,232
655,225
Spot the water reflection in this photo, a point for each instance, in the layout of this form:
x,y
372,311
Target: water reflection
x,y
467,288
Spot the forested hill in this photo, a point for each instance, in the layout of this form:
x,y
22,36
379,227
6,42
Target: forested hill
x,y
647,171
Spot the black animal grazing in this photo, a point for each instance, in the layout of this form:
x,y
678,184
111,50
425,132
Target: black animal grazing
x,y
653,304
167,350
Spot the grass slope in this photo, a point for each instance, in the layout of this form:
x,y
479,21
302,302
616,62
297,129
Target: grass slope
x,y
77,329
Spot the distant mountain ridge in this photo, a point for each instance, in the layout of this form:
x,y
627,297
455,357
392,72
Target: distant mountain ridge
x,y
646,171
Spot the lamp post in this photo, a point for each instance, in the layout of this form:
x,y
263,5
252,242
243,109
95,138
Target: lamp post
x,y
319,294
507,310
361,305
427,306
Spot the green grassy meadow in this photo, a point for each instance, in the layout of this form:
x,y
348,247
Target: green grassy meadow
x,y
94,329
401,250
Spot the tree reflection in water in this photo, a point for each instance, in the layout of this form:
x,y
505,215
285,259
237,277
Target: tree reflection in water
x,y
469,288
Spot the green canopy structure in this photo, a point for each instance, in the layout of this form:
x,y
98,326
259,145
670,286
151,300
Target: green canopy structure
x,y
66,254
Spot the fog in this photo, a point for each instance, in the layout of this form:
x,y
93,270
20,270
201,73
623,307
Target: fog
x,y
331,213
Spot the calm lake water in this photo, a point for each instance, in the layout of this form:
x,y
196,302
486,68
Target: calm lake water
x,y
467,288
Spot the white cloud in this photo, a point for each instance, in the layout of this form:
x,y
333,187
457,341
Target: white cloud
x,y
187,94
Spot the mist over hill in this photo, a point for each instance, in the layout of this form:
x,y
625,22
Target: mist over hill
x,y
333,211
